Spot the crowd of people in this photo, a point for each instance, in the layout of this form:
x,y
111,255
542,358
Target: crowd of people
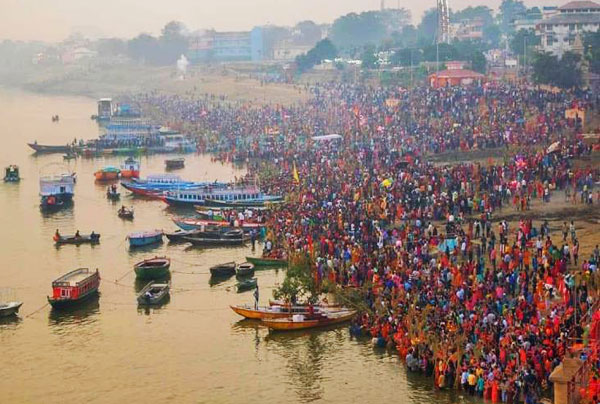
x,y
490,306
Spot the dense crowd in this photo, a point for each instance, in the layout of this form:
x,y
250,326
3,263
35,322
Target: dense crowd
x,y
486,305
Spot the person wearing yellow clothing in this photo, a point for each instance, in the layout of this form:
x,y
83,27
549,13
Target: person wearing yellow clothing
x,y
472,380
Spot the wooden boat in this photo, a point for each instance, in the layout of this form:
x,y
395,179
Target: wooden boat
x,y
56,191
227,238
246,284
153,293
223,270
192,224
244,269
179,235
153,268
271,312
267,262
130,168
302,322
140,239
92,238
173,164
125,213
9,308
11,174
74,287
50,149
69,156
266,200
112,194
107,174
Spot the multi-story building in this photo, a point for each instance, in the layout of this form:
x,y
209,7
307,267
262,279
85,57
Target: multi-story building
x,y
227,46
467,29
559,31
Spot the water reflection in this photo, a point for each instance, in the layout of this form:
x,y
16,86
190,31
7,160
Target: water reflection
x,y
10,322
85,312
147,309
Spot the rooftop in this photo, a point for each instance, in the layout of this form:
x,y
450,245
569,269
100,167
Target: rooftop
x,y
579,5
575,18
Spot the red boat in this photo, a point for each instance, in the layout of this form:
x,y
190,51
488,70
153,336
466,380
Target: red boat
x,y
74,287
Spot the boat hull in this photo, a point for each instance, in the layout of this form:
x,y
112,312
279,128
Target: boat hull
x,y
68,303
83,239
130,174
106,176
290,325
144,241
267,262
49,149
151,193
11,309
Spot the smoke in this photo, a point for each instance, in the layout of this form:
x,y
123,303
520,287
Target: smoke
x,y
182,65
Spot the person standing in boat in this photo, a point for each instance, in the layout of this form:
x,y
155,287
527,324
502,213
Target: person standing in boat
x,y
256,296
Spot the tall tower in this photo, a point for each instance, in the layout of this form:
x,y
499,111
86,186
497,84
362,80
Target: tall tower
x,y
443,35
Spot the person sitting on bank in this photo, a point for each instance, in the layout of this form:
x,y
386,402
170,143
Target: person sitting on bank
x,y
77,235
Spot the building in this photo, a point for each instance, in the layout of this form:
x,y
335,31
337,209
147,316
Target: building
x,y
227,46
455,75
288,51
467,29
558,32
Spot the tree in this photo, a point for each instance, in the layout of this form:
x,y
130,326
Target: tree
x,y
144,48
563,73
308,33
299,281
523,38
509,10
446,53
470,13
407,57
111,47
427,29
368,58
478,62
591,44
356,30
324,49
173,43
492,35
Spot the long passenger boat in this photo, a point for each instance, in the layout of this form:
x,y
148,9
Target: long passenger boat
x,y
155,185
302,322
74,287
195,224
50,148
271,312
203,196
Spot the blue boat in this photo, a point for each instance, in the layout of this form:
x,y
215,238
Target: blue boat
x,y
155,185
144,238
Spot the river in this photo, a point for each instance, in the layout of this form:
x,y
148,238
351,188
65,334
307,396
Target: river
x,y
193,349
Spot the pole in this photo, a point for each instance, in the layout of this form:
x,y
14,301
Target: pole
x,y
411,69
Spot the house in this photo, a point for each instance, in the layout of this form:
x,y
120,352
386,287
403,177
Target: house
x,y
227,46
455,77
286,50
559,31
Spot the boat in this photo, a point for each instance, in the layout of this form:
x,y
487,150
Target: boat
x,y
69,156
176,163
271,311
263,201
223,270
153,268
74,287
178,235
302,322
112,193
107,173
244,269
153,293
50,149
11,173
56,191
267,262
93,238
130,168
125,213
155,185
218,238
140,239
245,196
194,224
246,284
9,308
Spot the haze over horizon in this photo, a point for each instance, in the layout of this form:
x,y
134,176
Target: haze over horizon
x,y
53,21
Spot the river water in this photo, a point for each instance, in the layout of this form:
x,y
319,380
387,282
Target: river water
x,y
193,349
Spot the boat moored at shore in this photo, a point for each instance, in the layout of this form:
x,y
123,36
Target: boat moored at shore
x,y
74,287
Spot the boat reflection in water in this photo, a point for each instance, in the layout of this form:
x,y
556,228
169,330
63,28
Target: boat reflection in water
x,y
84,312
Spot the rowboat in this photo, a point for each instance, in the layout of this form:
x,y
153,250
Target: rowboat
x,y
175,163
74,287
265,200
223,270
302,322
92,238
227,238
107,174
140,239
69,156
267,262
112,194
11,174
9,308
246,284
244,269
125,213
192,224
179,235
153,268
271,311
49,148
153,293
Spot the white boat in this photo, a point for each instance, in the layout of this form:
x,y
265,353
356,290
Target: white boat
x,y
9,308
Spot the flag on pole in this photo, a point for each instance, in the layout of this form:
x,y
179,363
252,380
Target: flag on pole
x,y
295,173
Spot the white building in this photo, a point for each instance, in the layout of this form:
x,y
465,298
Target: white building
x,y
559,31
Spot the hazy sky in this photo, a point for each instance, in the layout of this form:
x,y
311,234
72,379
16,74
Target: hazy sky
x,y
53,20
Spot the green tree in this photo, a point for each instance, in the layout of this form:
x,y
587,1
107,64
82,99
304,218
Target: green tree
x,y
478,62
356,30
368,58
299,281
470,13
492,35
173,42
564,73
446,53
524,38
324,49
591,44
427,29
144,48
407,57
509,10
308,33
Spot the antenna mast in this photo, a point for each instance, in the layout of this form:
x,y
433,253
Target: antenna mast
x,y
443,22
